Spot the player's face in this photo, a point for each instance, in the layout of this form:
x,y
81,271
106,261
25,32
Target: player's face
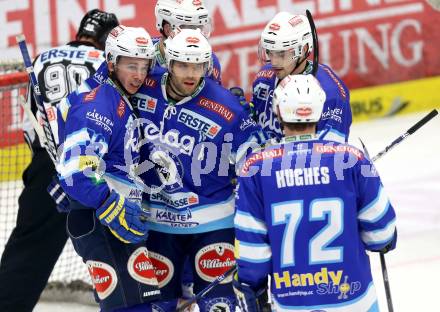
x,y
131,72
185,77
282,62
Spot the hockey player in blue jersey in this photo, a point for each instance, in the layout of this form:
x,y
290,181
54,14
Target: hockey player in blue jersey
x,y
285,44
170,15
193,129
40,234
109,231
307,211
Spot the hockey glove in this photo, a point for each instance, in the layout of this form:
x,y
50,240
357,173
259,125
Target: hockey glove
x,y
124,219
249,300
390,246
239,93
59,196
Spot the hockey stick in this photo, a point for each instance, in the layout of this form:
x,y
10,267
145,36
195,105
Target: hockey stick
x,y
410,131
50,140
315,43
383,264
37,127
207,289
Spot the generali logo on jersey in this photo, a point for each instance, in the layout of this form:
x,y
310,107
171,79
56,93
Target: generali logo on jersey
x,y
214,260
261,156
217,108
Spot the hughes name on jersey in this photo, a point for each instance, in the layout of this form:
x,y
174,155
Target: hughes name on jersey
x,y
336,115
309,226
100,146
192,144
60,71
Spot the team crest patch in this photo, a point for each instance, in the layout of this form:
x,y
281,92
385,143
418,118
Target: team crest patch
x,y
214,260
104,278
121,108
163,268
219,305
141,268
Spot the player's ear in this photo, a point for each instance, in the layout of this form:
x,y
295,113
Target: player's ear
x,y
167,29
111,66
278,114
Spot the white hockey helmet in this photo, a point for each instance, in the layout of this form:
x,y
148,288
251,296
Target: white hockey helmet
x,y
130,42
188,46
183,14
285,32
299,98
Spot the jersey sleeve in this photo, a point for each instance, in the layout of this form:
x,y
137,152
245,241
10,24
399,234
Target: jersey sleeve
x,y
252,248
376,216
97,79
216,73
336,116
247,135
336,120
85,144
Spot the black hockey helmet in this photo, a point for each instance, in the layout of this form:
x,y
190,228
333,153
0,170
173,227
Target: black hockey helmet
x,y
97,24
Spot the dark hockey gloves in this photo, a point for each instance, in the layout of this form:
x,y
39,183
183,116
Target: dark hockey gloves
x,y
239,93
249,300
125,219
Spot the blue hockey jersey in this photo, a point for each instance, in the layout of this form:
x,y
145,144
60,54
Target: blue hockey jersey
x,y
336,116
99,146
192,144
160,67
306,214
